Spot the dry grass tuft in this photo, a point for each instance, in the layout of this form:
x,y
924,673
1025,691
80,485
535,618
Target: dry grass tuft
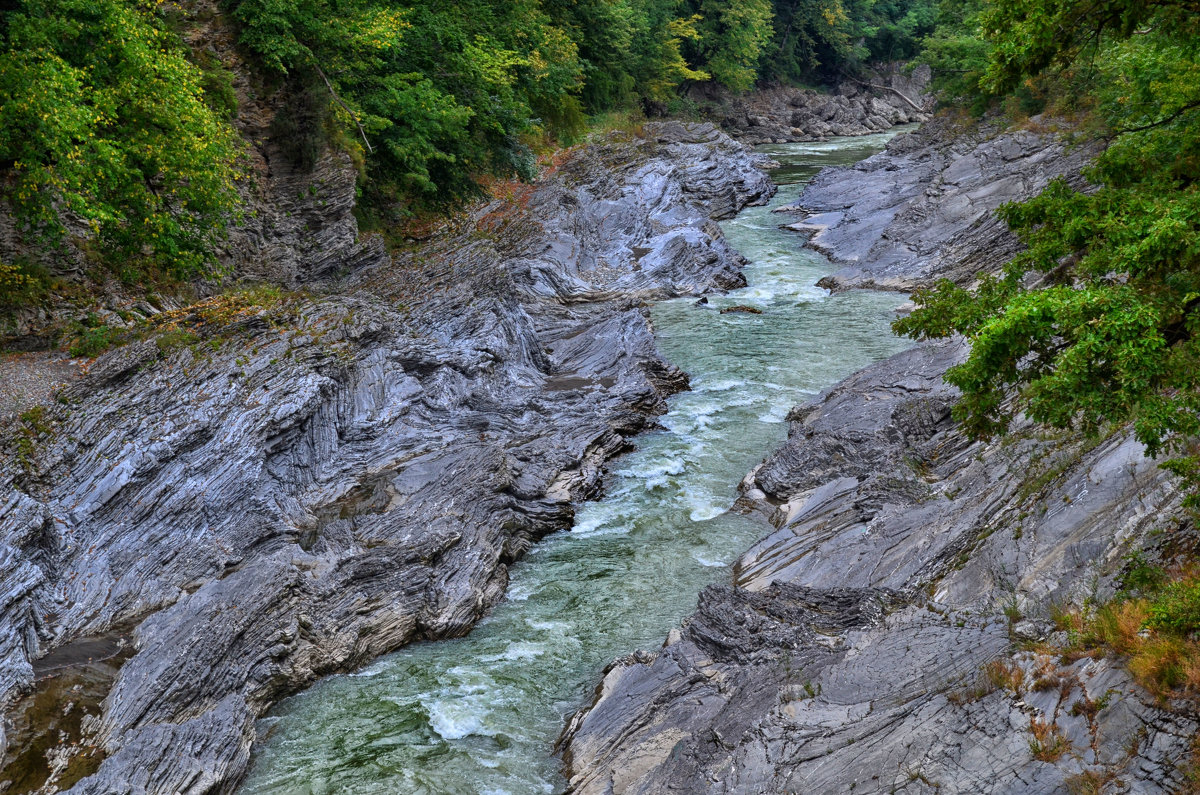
x,y
1048,743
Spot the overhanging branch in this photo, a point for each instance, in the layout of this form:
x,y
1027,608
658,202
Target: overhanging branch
x,y
345,107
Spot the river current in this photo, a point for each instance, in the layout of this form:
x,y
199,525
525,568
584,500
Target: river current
x,y
480,714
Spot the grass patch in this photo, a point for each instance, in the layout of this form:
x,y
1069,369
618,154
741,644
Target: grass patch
x,y
1157,631
996,675
209,320
1048,743
1089,782
31,426
91,341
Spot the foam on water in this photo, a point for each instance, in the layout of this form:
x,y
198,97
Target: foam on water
x,y
453,721
480,714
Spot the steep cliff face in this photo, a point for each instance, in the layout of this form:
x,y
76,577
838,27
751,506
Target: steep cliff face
x,y
892,633
308,484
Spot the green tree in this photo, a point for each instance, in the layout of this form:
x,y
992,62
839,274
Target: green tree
x,y
733,36
630,49
103,122
436,93
1098,321
957,54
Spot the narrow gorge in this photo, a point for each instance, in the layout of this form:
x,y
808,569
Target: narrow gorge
x,y
899,629
434,518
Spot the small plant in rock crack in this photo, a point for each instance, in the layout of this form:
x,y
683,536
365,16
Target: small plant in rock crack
x,y
1089,782
1048,743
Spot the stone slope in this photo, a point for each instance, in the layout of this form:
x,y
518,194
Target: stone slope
x,y
315,483
924,208
881,638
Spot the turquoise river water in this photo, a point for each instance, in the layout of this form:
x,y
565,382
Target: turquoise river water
x,y
480,714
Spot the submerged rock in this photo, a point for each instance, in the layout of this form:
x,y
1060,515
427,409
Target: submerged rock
x,y
301,487
748,310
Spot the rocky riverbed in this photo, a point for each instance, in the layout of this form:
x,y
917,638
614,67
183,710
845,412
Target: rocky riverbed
x,y
279,487
891,632
783,114
926,209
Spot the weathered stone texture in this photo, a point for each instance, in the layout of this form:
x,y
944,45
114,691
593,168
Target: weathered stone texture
x,y
343,473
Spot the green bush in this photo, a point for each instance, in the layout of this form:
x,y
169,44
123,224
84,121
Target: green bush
x,y
22,284
94,341
1177,608
102,114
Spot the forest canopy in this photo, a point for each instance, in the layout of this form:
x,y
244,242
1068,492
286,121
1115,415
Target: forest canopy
x,y
114,129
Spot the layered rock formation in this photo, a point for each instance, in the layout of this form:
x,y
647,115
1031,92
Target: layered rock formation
x,y
925,208
857,107
893,632
275,490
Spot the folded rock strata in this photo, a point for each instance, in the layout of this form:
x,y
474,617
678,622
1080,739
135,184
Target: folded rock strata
x,y
306,486
881,638
924,208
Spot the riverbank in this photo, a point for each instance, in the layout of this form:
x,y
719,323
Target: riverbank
x,y
895,630
279,486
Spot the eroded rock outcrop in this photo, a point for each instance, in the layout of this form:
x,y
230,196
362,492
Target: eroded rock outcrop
x,y
893,632
295,489
924,208
782,114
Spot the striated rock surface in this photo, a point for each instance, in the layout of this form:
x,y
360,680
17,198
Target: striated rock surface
x,y
298,485
868,640
893,632
924,208
786,113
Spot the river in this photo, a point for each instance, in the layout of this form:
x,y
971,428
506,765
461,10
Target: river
x,y
480,714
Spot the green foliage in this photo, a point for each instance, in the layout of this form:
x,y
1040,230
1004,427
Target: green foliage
x,y
93,341
1141,576
1033,36
894,29
1176,609
806,33
629,50
103,117
436,93
22,284
113,130
957,54
1098,321
217,84
826,40
733,36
